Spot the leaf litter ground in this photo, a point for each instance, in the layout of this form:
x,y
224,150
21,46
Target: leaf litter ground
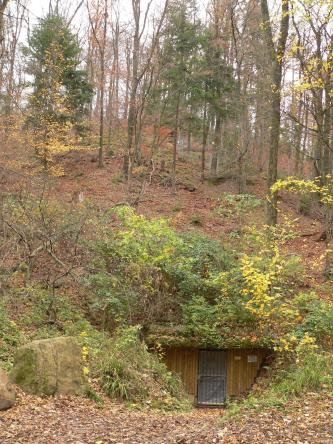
x,y
66,420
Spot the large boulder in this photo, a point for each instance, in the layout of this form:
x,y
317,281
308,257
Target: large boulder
x,y
7,392
49,367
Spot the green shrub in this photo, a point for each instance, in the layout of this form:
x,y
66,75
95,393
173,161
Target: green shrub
x,y
10,338
304,205
38,302
145,270
200,319
128,371
318,316
197,219
313,373
237,204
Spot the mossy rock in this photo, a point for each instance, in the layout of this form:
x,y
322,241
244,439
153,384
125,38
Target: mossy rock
x,y
49,367
7,392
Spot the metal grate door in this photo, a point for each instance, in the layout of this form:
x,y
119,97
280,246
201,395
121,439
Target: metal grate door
x,y
212,377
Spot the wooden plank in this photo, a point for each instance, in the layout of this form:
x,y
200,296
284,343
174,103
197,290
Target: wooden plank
x,y
184,362
242,373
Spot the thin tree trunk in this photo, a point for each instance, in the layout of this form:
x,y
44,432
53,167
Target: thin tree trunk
x,y
3,5
14,40
216,146
244,145
101,121
204,142
128,76
132,109
110,112
276,57
101,47
189,141
327,169
175,145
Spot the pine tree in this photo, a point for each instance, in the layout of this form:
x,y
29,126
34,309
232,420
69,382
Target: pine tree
x,y
180,52
196,79
61,92
217,84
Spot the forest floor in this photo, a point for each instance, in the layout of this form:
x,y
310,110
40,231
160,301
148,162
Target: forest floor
x,y
79,421
195,205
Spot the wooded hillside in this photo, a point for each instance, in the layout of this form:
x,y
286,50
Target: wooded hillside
x,y
166,189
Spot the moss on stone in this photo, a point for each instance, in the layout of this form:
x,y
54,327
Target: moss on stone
x,y
49,367
25,374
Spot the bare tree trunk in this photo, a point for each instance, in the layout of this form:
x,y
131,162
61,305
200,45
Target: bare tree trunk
x,y
101,46
110,111
258,139
205,127
101,118
189,141
276,57
175,145
91,73
113,101
244,144
16,23
3,5
298,146
128,77
116,72
298,106
132,109
216,146
137,74
327,167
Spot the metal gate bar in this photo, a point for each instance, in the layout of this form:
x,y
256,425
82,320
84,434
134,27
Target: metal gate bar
x,y
212,377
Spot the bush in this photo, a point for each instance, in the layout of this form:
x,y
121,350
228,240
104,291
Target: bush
x,y
145,270
147,273
317,317
128,371
238,204
42,230
10,338
200,319
197,219
305,203
313,373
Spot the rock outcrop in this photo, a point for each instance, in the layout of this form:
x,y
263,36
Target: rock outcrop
x,y
7,392
49,367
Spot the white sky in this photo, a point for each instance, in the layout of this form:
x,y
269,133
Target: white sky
x,y
39,8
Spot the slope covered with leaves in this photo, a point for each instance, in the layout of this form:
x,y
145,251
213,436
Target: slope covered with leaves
x,y
192,267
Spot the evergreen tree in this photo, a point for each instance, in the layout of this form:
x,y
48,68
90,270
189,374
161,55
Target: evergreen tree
x,y
195,81
217,83
61,92
180,52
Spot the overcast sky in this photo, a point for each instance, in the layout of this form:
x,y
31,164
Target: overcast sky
x,y
39,8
